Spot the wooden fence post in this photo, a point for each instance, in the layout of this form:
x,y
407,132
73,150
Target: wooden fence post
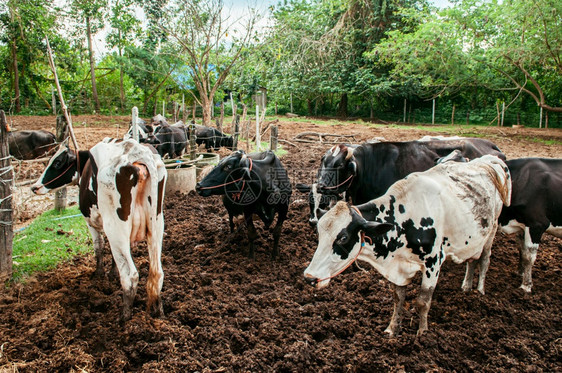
x,y
221,117
192,143
236,132
6,212
194,110
258,137
273,138
61,136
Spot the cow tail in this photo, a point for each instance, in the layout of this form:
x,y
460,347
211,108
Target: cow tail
x,y
501,177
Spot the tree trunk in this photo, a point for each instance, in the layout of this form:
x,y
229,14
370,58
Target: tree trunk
x,y
206,107
92,66
309,106
342,107
16,76
6,213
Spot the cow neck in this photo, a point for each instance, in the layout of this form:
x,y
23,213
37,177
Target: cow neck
x,y
82,156
356,256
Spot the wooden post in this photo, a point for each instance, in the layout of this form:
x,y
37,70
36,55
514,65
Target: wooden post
x,y
192,143
546,120
61,134
540,118
6,212
433,113
236,132
273,138
453,115
258,137
176,109
194,110
503,113
134,124
164,108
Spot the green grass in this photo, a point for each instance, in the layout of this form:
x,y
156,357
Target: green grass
x,y
544,141
40,248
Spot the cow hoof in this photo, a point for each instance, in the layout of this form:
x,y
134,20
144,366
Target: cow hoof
x,y
391,333
526,288
157,310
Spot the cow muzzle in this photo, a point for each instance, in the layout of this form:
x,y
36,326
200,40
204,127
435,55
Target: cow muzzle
x,y
311,280
39,189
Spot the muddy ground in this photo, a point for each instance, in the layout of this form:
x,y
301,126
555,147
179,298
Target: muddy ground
x,y
227,313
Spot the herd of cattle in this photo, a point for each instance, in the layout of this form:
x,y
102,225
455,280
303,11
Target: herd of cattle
x,y
403,207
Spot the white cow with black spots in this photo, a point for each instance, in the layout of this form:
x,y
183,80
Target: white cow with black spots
x,y
121,193
449,211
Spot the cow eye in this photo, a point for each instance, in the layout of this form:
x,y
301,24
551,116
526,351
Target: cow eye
x,y
227,167
343,238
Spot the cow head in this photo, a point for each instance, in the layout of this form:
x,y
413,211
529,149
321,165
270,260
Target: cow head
x,y
61,170
337,169
316,201
340,232
454,156
228,176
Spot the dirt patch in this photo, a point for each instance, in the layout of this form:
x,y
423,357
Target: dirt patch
x,y
225,312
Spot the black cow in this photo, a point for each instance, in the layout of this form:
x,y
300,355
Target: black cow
x,y
536,207
31,144
252,184
317,201
170,140
367,171
212,138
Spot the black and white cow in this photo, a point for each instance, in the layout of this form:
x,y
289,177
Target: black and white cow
x,y
536,208
252,184
449,211
27,145
367,171
121,193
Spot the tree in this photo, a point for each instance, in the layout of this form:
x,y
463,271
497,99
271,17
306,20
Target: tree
x,y
211,44
124,26
511,46
91,13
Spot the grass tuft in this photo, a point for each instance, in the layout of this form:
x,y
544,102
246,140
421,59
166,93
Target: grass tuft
x,y
51,238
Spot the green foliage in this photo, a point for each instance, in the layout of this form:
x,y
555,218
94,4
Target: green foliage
x,y
50,239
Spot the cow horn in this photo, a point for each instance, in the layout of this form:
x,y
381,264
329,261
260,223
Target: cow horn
x,y
349,154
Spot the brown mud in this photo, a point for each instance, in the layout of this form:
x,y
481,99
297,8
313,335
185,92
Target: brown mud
x,y
227,313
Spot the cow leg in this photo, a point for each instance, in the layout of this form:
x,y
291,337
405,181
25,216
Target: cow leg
x,y
252,233
231,222
469,276
118,236
97,238
155,272
399,297
484,263
423,302
528,255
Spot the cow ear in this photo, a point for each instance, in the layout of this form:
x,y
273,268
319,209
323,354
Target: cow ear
x,y
373,229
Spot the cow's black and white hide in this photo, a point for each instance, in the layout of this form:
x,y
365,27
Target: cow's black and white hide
x,y
449,211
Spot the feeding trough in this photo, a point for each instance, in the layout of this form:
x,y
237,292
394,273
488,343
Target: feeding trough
x,y
182,176
204,159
